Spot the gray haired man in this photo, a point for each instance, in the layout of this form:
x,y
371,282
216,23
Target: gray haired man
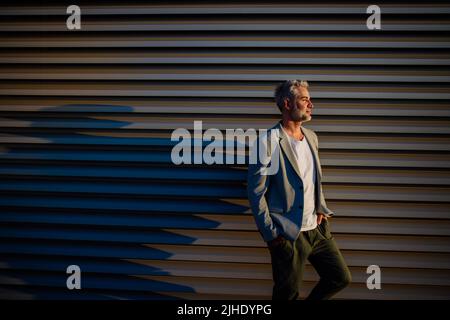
x,y
289,206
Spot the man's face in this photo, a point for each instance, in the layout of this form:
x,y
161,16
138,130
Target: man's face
x,y
301,108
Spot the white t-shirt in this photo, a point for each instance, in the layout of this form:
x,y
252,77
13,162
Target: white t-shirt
x,y
305,161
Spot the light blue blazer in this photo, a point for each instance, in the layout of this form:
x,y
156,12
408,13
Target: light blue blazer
x,y
276,199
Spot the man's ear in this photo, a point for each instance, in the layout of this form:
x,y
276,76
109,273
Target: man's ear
x,y
287,104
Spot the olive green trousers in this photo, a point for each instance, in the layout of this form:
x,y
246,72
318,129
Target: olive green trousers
x,y
319,247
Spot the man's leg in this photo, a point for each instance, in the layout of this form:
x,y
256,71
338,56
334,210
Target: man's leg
x,y
284,271
329,263
288,262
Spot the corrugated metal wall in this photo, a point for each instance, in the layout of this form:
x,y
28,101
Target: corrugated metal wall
x,y
86,118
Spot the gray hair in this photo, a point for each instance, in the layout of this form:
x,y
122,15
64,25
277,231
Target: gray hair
x,y
288,90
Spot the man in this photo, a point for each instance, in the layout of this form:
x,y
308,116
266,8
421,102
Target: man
x,y
288,205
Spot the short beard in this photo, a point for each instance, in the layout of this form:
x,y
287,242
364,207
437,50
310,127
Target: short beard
x,y
297,115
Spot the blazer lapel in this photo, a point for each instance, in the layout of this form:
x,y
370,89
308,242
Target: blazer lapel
x,y
313,148
287,149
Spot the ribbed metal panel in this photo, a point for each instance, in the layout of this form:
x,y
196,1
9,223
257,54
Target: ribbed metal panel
x,y
85,124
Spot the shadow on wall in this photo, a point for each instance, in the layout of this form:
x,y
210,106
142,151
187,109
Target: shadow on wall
x,y
74,193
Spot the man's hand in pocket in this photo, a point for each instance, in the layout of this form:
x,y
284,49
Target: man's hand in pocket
x,y
320,217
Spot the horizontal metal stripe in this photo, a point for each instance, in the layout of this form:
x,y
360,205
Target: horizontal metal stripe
x,y
207,106
222,238
240,41
155,188
145,204
381,143
387,159
319,123
232,90
226,60
248,57
386,193
319,24
365,142
48,293
214,270
345,241
354,292
211,173
380,176
232,206
213,69
318,89
117,250
117,138
391,226
78,155
200,285
171,172
101,188
110,138
144,267
123,283
210,253
226,8
342,208
118,282
384,209
199,191
224,222
264,288
230,74
244,76
28,43
13,292
86,155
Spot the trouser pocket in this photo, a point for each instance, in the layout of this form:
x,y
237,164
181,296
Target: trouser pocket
x,y
324,229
